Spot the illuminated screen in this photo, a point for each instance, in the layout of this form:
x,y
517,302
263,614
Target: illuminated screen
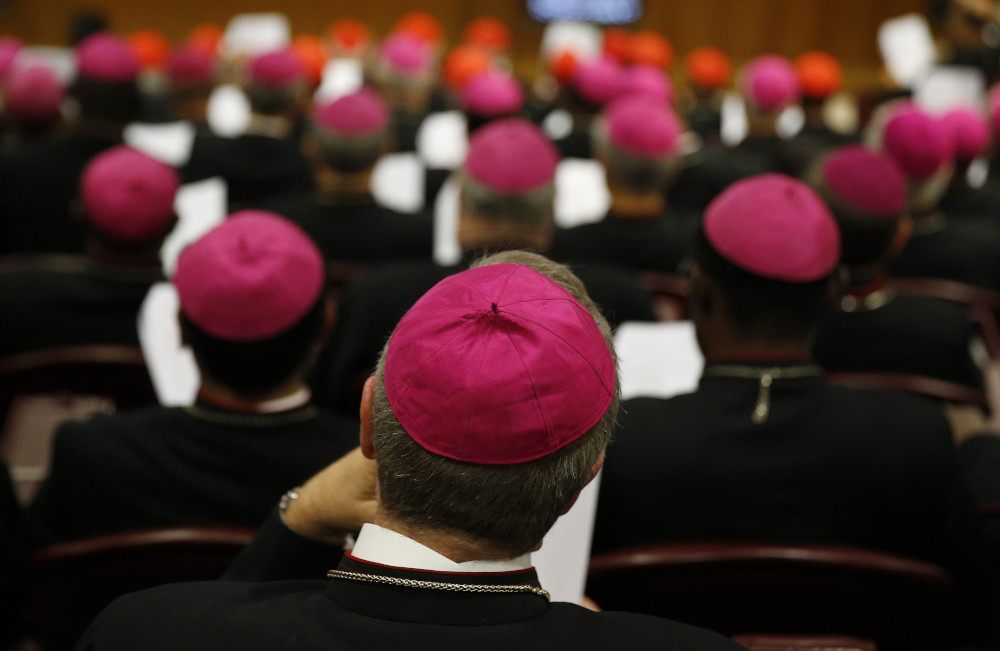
x,y
603,12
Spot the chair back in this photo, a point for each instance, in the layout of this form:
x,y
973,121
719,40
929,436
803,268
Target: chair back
x,y
41,389
68,584
740,588
803,643
918,385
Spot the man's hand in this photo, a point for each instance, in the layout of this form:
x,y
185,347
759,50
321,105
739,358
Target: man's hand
x,y
335,502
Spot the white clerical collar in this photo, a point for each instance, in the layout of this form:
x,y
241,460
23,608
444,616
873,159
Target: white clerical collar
x,y
380,545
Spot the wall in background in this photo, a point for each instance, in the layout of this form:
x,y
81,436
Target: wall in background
x,y
744,28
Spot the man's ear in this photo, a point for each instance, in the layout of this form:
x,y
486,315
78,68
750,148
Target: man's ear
x,y
367,399
700,295
593,473
903,232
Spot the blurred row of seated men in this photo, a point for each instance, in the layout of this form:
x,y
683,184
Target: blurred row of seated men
x,y
788,279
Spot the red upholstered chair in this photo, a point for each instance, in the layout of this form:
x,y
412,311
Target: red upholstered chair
x,y
40,389
740,588
801,643
983,304
919,385
68,584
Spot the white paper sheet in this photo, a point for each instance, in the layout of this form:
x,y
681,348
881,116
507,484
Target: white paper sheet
x,y
200,207
228,111
565,553
60,60
446,212
658,360
442,140
169,142
340,77
582,194
944,88
252,34
398,182
583,39
907,48
171,367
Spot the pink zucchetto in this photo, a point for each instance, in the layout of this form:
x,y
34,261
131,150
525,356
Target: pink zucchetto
x,y
511,156
642,128
492,94
405,55
498,365
250,278
866,181
648,81
600,81
10,47
968,131
280,70
770,83
776,227
129,196
190,66
917,142
34,95
361,113
104,57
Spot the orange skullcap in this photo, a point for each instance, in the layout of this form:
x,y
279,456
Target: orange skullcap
x,y
463,63
488,32
617,42
422,25
819,74
652,48
708,67
564,66
349,34
206,37
150,48
308,49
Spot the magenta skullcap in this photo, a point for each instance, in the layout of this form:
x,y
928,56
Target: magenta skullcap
x,y
127,195
648,81
250,278
492,94
34,95
405,54
917,142
968,131
10,47
770,83
600,81
498,365
106,58
362,113
280,70
776,227
867,181
189,66
642,127
511,156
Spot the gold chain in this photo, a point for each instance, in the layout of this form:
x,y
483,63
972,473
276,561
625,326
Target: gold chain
x,y
766,377
436,585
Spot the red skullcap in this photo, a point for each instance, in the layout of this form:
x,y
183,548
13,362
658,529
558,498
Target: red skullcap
x,y
127,195
250,278
498,365
776,227
866,181
511,156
